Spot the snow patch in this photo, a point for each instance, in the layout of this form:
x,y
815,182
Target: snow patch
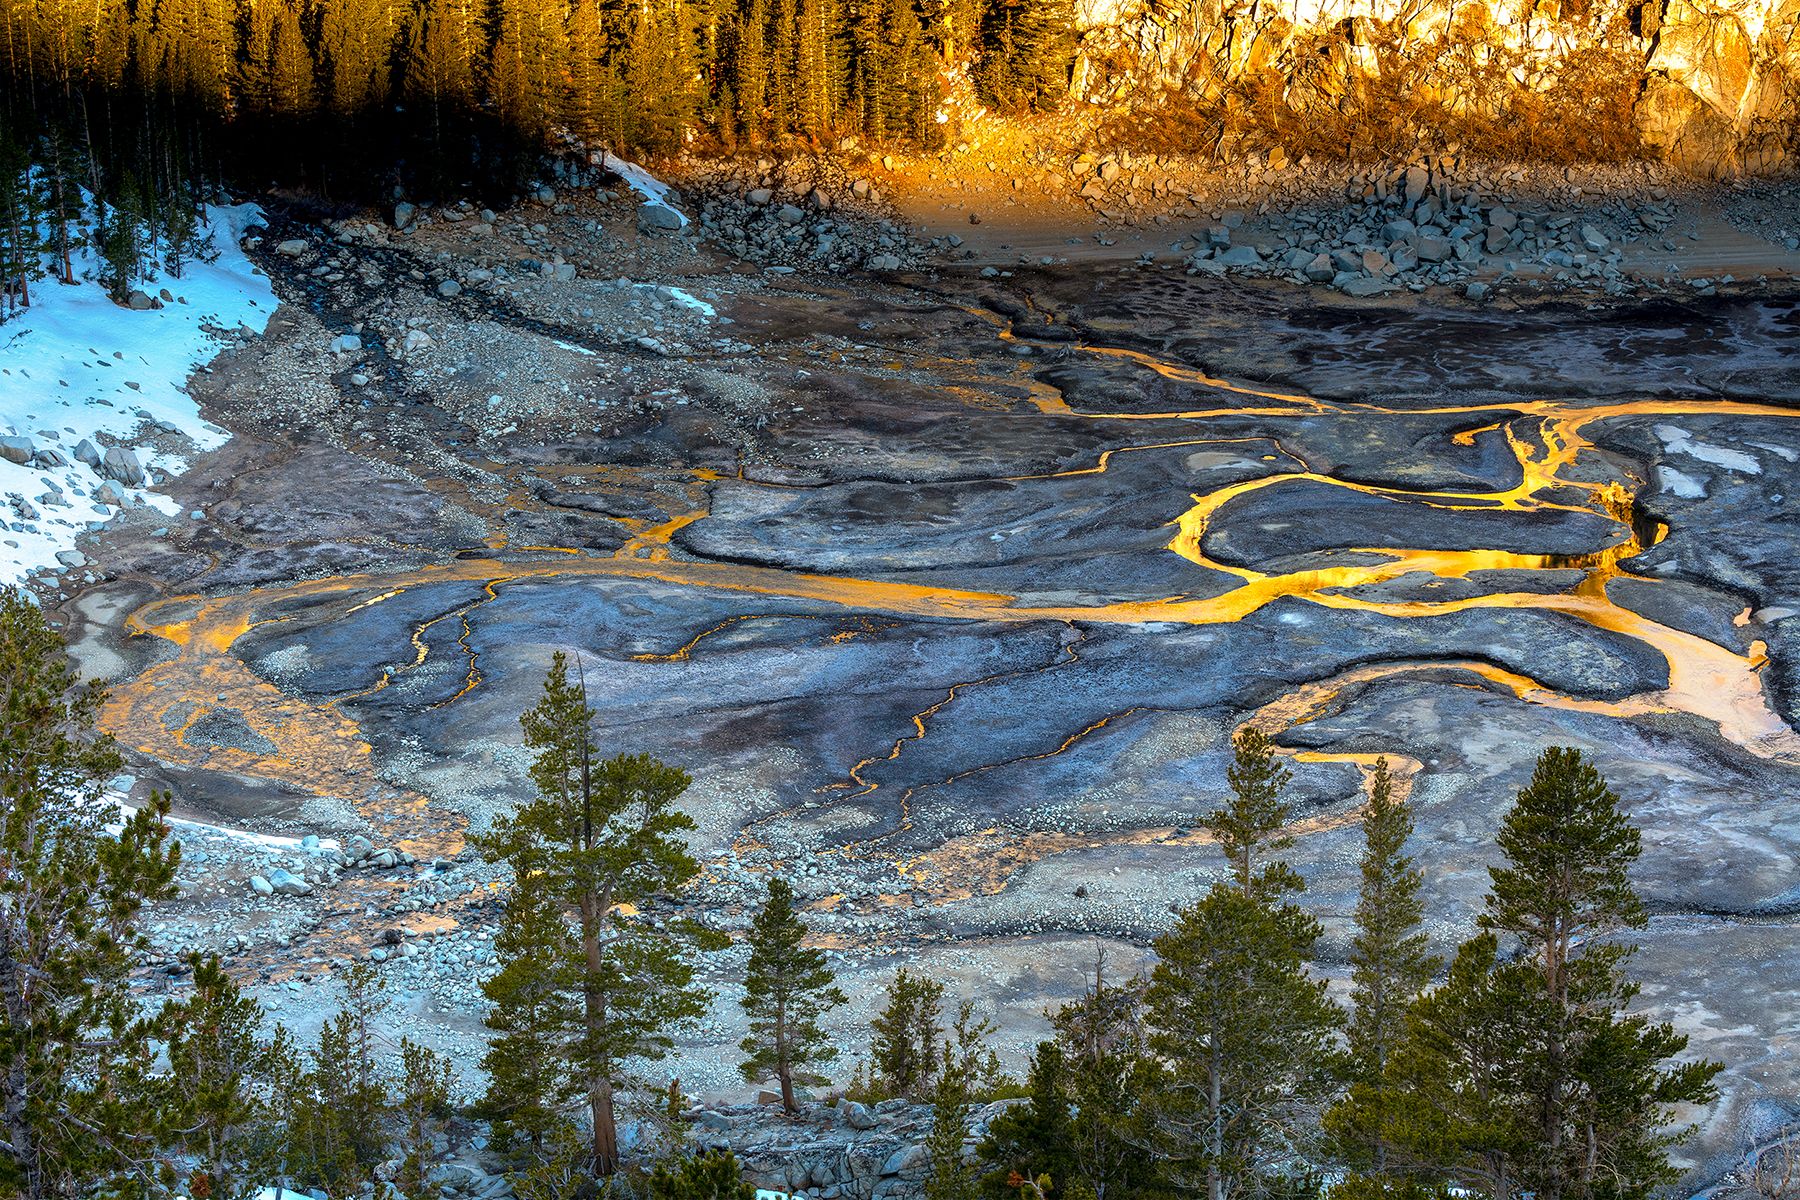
x,y
646,185
270,841
1680,441
75,365
1670,480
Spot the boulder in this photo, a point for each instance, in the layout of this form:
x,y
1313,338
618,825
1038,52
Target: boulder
x,y
1239,256
87,452
346,343
657,219
139,301
1432,249
404,214
884,262
17,449
1417,179
787,214
121,463
286,883
856,1116
1365,285
906,1159
261,886
292,248
449,288
760,197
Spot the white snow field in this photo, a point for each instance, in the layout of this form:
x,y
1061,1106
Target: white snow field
x,y
75,367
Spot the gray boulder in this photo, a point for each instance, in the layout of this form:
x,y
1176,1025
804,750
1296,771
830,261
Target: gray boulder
x,y
86,452
121,463
346,343
404,214
286,883
1365,285
657,219
17,449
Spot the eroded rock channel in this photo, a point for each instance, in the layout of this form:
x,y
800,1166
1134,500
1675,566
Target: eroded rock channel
x,y
951,613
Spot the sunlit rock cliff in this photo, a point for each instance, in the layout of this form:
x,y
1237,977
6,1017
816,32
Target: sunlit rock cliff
x,y
1712,86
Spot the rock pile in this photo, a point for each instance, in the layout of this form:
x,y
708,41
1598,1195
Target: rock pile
x,y
1430,224
845,1151
792,217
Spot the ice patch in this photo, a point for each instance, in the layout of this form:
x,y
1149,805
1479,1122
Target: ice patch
x,y
267,840
1784,453
76,365
1670,480
646,185
688,300
1680,441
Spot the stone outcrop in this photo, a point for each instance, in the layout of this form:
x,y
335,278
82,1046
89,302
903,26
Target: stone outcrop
x,y
1711,86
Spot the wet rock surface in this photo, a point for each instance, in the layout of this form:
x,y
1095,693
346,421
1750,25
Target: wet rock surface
x,y
950,595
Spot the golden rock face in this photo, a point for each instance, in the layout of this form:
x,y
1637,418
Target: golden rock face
x,y
1710,86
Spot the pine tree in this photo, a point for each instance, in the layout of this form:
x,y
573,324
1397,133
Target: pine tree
x,y
1034,1138
19,257
946,1176
1389,967
1111,1080
1027,51
59,200
1245,1035
356,42
1249,824
1524,1072
1564,892
750,68
71,1037
714,1176
786,989
529,53
335,1127
605,837
591,100
219,1086
292,82
905,1049
423,1104
530,1084
439,74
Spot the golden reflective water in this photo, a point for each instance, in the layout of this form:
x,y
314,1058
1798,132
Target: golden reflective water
x,y
319,748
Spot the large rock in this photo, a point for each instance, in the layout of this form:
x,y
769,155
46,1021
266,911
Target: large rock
x,y
121,463
16,449
657,219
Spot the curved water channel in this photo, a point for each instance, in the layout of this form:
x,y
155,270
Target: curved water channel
x,y
320,748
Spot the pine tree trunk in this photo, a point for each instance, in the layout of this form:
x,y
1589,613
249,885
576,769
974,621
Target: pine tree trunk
x,y
1215,1186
